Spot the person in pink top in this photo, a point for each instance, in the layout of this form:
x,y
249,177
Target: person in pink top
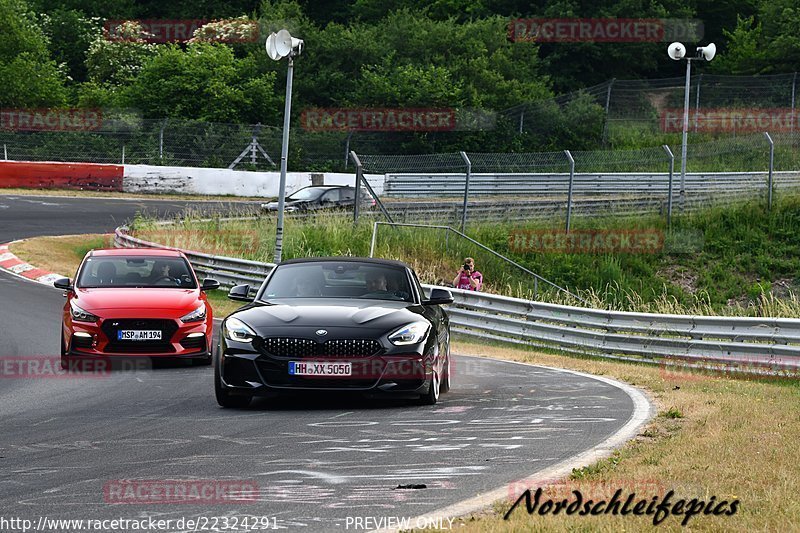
x,y
468,278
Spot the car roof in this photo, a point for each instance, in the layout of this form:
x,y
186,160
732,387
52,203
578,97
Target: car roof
x,y
348,259
144,252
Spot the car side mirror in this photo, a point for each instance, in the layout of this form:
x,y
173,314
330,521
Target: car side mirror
x,y
209,284
439,297
63,283
240,293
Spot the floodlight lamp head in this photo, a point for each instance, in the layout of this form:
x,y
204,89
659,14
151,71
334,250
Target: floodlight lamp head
x,y
676,51
707,52
282,44
288,45
297,46
272,50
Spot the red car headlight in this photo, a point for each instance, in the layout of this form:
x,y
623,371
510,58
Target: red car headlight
x,y
80,315
195,316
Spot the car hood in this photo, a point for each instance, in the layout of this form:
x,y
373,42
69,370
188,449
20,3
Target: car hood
x,y
137,298
306,312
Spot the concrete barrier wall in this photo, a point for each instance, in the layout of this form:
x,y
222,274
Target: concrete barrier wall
x,y
52,175
158,179
145,178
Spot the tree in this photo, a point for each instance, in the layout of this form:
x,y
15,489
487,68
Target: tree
x,y
574,65
27,75
410,59
20,32
70,34
201,82
117,61
765,44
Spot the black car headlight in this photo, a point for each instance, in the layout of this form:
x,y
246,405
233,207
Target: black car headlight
x,y
195,316
80,315
412,333
236,330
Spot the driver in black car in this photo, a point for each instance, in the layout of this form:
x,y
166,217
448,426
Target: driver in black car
x,y
376,282
378,287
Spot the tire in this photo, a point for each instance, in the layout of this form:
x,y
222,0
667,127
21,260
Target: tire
x,y
445,385
432,396
65,359
225,398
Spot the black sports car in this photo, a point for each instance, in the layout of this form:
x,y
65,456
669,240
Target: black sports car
x,y
337,324
321,197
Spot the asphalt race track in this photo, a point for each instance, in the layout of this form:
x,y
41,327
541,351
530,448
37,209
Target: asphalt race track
x,y
318,463
29,216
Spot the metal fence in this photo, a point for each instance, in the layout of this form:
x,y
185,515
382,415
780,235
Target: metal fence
x,y
173,142
756,345
625,108
640,103
587,183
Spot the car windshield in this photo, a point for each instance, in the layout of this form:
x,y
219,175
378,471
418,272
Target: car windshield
x,y
307,193
136,271
337,280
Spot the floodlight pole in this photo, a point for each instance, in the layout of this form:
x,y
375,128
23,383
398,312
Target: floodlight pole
x,y
685,128
284,155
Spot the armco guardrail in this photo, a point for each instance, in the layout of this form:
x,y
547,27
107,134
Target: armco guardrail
x,y
544,184
547,208
227,270
740,343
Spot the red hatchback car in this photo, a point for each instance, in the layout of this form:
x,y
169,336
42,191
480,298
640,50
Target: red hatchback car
x,y
144,302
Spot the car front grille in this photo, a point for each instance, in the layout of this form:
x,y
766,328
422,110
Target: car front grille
x,y
79,342
190,343
111,326
352,347
294,347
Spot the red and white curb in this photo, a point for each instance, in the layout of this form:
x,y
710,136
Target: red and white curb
x,y
14,265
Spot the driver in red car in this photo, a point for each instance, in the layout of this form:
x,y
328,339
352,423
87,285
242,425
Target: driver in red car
x,y
160,274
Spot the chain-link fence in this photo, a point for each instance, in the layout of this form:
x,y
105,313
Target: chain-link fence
x,y
617,112
638,106
467,185
176,143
